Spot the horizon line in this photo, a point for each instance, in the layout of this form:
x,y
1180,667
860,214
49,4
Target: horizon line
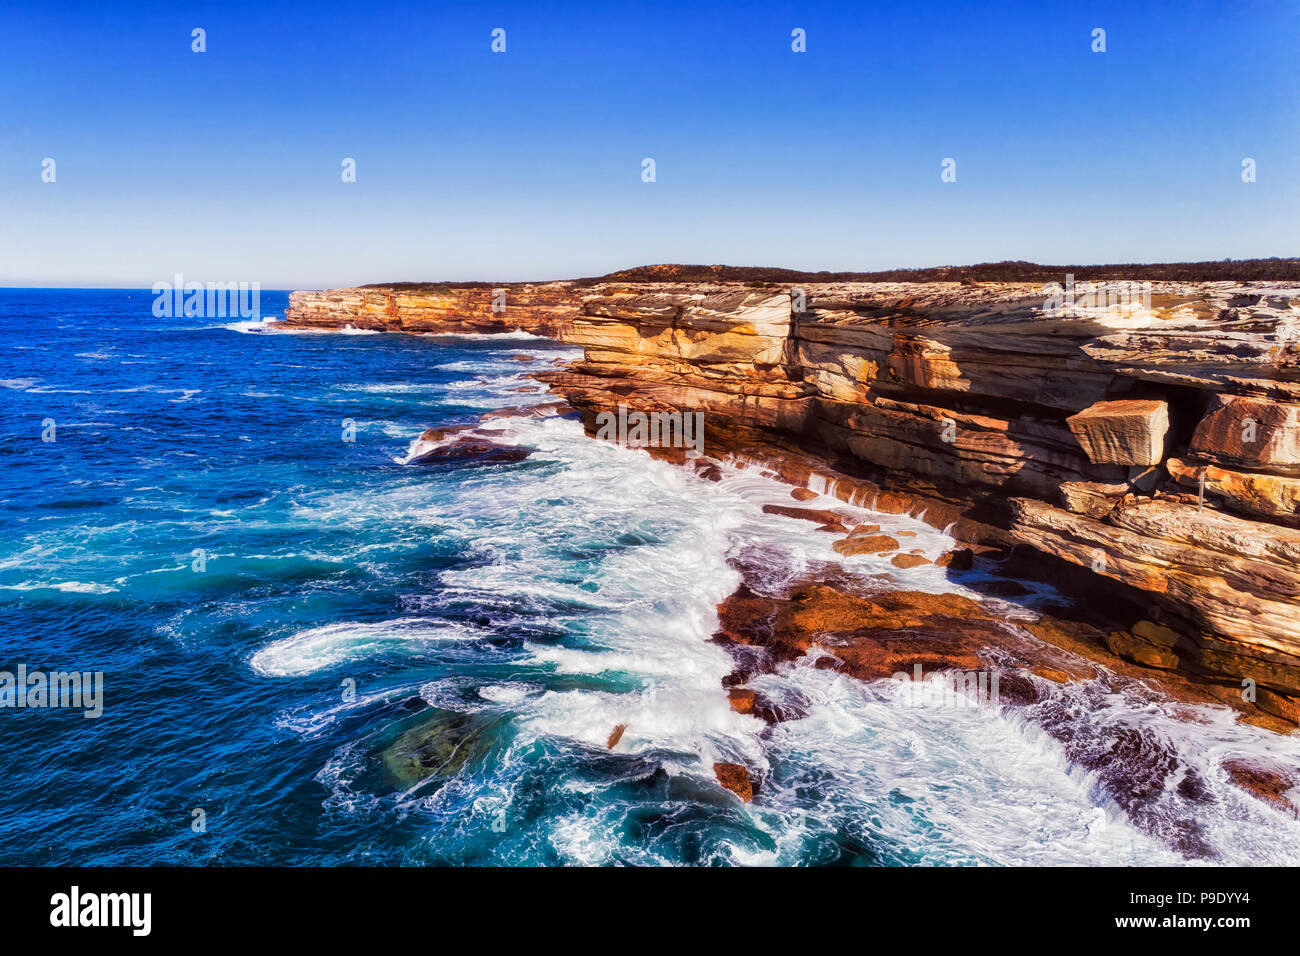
x,y
1000,270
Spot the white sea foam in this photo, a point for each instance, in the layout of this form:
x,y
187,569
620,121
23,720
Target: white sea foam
x,y
962,785
392,388
941,785
508,695
518,335
277,326
68,587
320,648
419,447
311,723
267,323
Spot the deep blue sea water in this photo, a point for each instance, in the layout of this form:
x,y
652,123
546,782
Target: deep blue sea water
x,y
337,656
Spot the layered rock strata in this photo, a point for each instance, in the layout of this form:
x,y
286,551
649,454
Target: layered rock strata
x,y
1148,437
541,308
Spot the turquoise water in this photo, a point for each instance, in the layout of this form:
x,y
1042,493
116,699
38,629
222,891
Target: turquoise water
x,y
339,656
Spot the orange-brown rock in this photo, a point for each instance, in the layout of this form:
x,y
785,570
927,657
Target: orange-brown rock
x,y
865,544
908,560
1126,432
1092,498
1234,583
1147,644
1283,707
828,520
959,559
862,530
742,699
440,308
802,494
1252,493
870,637
1050,673
615,736
1250,432
706,469
735,778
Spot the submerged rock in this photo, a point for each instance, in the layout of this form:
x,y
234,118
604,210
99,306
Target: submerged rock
x,y
1271,784
472,448
441,744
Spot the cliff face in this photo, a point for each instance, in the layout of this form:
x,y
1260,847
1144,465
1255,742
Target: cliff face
x,y
1149,436
543,308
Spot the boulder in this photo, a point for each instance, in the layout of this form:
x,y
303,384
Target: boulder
x,y
1092,498
1126,432
828,520
959,559
741,699
735,778
1253,432
474,449
1147,644
865,544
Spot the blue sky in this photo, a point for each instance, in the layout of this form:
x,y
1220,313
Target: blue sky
x,y
225,165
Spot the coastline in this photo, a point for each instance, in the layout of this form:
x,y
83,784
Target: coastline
x,y
952,402
776,389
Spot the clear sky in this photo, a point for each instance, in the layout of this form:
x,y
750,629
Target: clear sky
x,y
225,165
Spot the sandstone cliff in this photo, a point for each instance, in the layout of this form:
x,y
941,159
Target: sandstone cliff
x,y
1150,437
542,308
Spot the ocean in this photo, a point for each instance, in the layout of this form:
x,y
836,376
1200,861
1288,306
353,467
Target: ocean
x,y
318,651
